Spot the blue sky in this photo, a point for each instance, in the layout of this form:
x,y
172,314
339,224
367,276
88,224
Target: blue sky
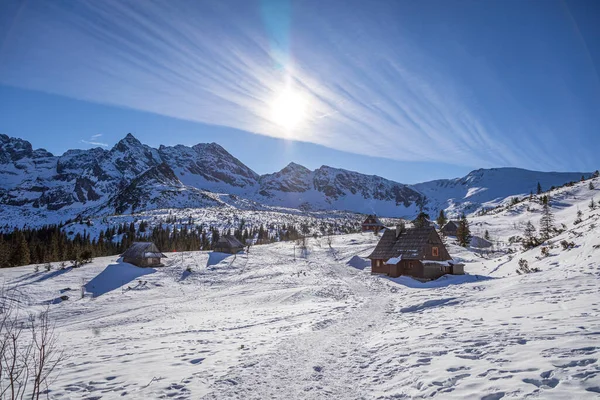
x,y
410,91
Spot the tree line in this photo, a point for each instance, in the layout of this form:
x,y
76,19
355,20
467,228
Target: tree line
x,y
51,243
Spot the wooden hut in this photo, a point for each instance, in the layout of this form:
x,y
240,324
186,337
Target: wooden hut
x,y
143,254
450,228
228,244
372,224
416,252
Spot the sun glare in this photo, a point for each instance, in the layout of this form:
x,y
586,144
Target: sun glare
x,y
289,109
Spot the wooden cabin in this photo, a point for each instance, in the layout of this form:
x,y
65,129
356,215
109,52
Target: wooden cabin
x,y
372,224
450,228
416,252
143,254
228,244
422,220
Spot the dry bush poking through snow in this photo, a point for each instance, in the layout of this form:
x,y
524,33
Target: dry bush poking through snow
x,y
524,268
29,353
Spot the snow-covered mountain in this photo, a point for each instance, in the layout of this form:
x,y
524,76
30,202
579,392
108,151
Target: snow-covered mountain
x,y
489,187
331,188
135,177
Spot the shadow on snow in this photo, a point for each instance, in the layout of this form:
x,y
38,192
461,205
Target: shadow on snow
x,y
444,281
114,276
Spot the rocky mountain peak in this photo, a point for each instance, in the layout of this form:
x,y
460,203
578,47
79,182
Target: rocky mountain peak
x,y
13,149
127,143
293,167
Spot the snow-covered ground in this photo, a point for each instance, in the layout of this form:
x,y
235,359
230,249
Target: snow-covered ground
x,y
281,323
277,324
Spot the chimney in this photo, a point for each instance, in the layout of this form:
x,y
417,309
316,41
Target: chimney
x,y
399,229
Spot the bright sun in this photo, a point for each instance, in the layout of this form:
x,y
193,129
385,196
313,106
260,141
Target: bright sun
x,y
289,109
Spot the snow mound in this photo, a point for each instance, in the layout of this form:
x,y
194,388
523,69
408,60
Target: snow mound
x,y
114,276
215,258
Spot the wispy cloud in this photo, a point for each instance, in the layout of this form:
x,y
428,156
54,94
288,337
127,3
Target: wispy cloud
x,y
371,89
93,141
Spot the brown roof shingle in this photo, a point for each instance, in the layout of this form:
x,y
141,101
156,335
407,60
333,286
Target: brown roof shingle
x,y
409,244
139,250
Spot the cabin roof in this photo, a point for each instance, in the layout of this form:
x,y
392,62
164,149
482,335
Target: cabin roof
x,y
229,241
450,225
143,250
372,216
408,246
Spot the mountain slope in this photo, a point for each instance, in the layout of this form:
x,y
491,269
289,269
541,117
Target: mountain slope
x,y
489,187
208,166
332,188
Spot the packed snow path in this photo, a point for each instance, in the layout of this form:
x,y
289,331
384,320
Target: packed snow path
x,y
269,324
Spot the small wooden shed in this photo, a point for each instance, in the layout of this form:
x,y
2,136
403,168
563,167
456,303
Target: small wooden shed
x,y
372,224
416,252
450,228
228,244
143,254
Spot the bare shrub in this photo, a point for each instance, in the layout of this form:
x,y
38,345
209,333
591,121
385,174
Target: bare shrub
x,y
29,353
329,238
567,245
524,267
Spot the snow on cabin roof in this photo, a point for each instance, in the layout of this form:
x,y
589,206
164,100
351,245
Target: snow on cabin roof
x,y
394,260
229,240
442,263
150,254
140,249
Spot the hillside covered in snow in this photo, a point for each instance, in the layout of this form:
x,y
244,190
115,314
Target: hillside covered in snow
x,y
278,322
37,187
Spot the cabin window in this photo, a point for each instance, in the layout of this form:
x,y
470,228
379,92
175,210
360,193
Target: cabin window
x,y
410,265
435,251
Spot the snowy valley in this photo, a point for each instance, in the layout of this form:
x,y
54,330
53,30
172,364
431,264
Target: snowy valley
x,y
278,322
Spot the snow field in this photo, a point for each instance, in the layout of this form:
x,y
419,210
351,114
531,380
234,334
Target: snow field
x,y
266,325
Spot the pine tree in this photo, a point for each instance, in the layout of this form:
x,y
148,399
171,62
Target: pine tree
x,y
539,188
529,238
441,219
463,233
20,254
591,186
4,253
592,204
486,235
546,222
545,199
421,202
